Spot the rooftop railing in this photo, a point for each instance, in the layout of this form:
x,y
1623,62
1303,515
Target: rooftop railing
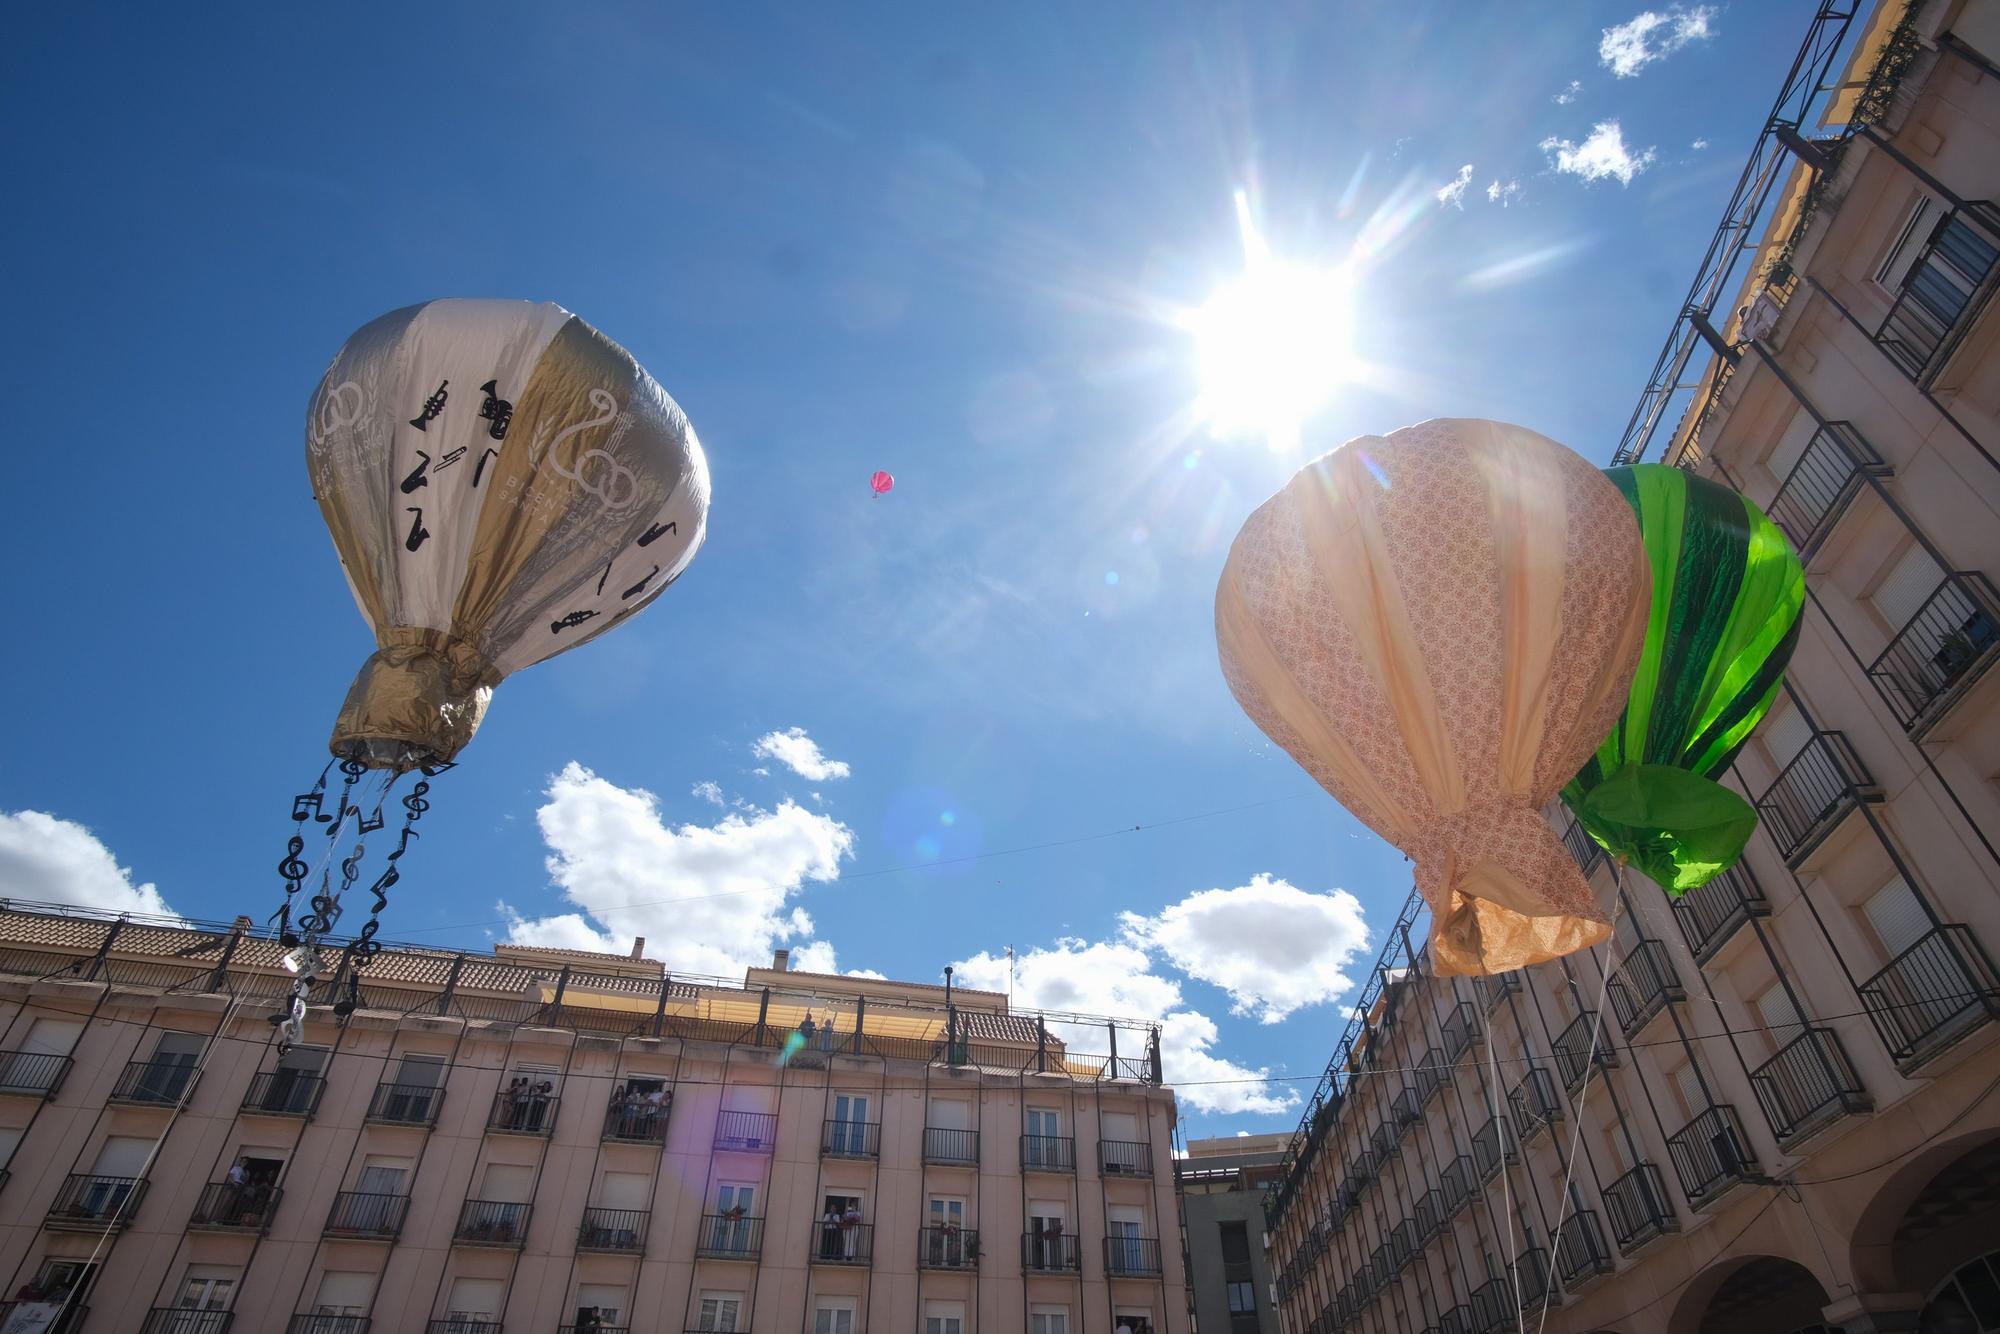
x,y
1808,1084
1947,645
1932,993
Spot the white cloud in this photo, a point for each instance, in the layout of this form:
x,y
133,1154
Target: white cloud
x,y
1272,946
1570,94
1503,193
817,956
1116,979
59,861
799,753
710,899
1698,145
710,792
1603,155
1653,35
1454,193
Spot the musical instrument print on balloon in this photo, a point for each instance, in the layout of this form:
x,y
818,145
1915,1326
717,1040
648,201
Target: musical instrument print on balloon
x,y
657,531
417,477
418,533
479,469
640,587
432,407
570,621
496,410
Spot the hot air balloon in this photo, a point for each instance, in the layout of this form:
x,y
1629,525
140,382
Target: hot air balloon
x,y
882,483
502,483
1727,593
1440,625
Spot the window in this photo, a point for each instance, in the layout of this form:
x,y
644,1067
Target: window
x,y
624,1190
848,1134
343,1292
1780,1016
944,1318
1918,223
507,1183
735,1224
53,1037
9,1138
1125,1248
1688,1081
384,1176
207,1288
123,1156
1043,1147
1242,1299
1791,446
475,1299
1048,1320
832,1316
1897,916
1785,735
1133,1320
951,1114
602,1302
1906,588
720,1311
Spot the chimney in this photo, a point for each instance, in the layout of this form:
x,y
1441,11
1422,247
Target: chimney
x,y
638,947
781,962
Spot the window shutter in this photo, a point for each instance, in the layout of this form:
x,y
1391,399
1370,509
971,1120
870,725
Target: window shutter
x,y
951,1114
341,1289
1690,1087
608,1298
1780,1016
625,1190
1785,735
1897,916
122,1156
1908,585
507,1183
1791,446
476,1298
53,1037
1918,224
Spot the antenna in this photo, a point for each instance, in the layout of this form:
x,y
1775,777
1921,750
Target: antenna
x,y
1010,977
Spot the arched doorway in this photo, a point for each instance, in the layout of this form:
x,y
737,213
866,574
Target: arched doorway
x,y
1934,1218
1968,1302
1757,1294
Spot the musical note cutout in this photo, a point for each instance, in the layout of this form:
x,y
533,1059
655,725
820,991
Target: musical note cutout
x,y
656,532
640,587
432,407
496,410
307,805
416,477
479,469
570,621
418,533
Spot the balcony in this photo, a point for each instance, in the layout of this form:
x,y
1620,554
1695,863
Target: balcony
x,y
1936,658
850,1139
1940,298
746,1132
1431,1075
1709,916
223,1207
70,1321
1382,1266
1580,1249
1403,1243
635,1123
841,1243
947,1247
458,1325
1711,1153
951,1148
1050,1253
1534,1103
327,1324
405,1104
1124,1158
283,1093
1048,1153
1132,1257
522,1114
154,1084
492,1223
1458,1320
1430,1214
729,1237
613,1231
365,1216
32,1074
1811,498
182,1320
1583,849
1639,1209
593,1329
1813,794
1573,1050
1487,1145
1382,1143
1644,985
1405,1110
1932,994
1462,1030
1496,987
95,1204
1808,1085
1497,1304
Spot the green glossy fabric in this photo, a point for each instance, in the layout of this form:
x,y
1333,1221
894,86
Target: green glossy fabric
x,y
1727,591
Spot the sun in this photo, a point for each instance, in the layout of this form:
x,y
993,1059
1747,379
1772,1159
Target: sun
x,y
1273,345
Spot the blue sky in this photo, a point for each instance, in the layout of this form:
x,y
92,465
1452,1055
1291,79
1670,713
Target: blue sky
x,y
897,239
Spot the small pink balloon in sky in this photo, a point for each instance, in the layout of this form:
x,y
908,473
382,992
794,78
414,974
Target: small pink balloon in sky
x,y
882,483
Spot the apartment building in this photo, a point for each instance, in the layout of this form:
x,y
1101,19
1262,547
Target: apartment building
x,y
545,1140
1771,1105
1222,1184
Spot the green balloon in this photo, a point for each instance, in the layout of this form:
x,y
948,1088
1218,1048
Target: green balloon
x,y
1727,592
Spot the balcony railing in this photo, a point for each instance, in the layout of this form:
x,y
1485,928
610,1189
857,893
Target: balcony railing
x,y
1458,1320
1382,1142
1638,1207
1710,914
951,1148
1382,1265
1932,993
947,1247
1808,1084
33,1073
327,1324
1822,484
1940,298
1403,1243
154,1084
1644,985
1813,794
729,1237
406,1104
94,1203
283,1093
1573,1049
1487,1143
850,1139
1050,1253
522,1114
1580,1249
842,1243
1124,1158
1711,1153
453,1325
1462,1030
1496,987
367,1216
593,1329
748,1132
1583,849
1431,1075
1534,1103
616,1231
1947,645
223,1207
1048,1153
1430,1213
1498,1302
635,1123
183,1320
492,1223
1132,1257
1405,1110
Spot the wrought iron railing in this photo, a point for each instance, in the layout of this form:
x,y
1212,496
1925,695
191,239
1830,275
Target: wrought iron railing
x,y
850,1139
36,1074
1583,849
406,1104
1132,1257
1711,1153
224,1207
1488,1143
636,1123
842,1243
1644,984
460,1325
749,1132
185,1320
1639,1208
1932,993
951,1148
1580,1249
1534,1103
367,1215
1710,914
1810,499
283,1093
1573,1049
1431,1075
942,1246
1405,1110
1124,1158
522,1114
618,1231
1807,1084
492,1223
1813,794
1462,1030
154,1083
1048,1153
1940,297
729,1237
95,1202
1050,1252
327,1324
1496,987
1950,641
1430,1213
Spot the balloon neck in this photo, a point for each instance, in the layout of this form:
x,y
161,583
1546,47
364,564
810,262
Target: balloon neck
x,y
416,701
